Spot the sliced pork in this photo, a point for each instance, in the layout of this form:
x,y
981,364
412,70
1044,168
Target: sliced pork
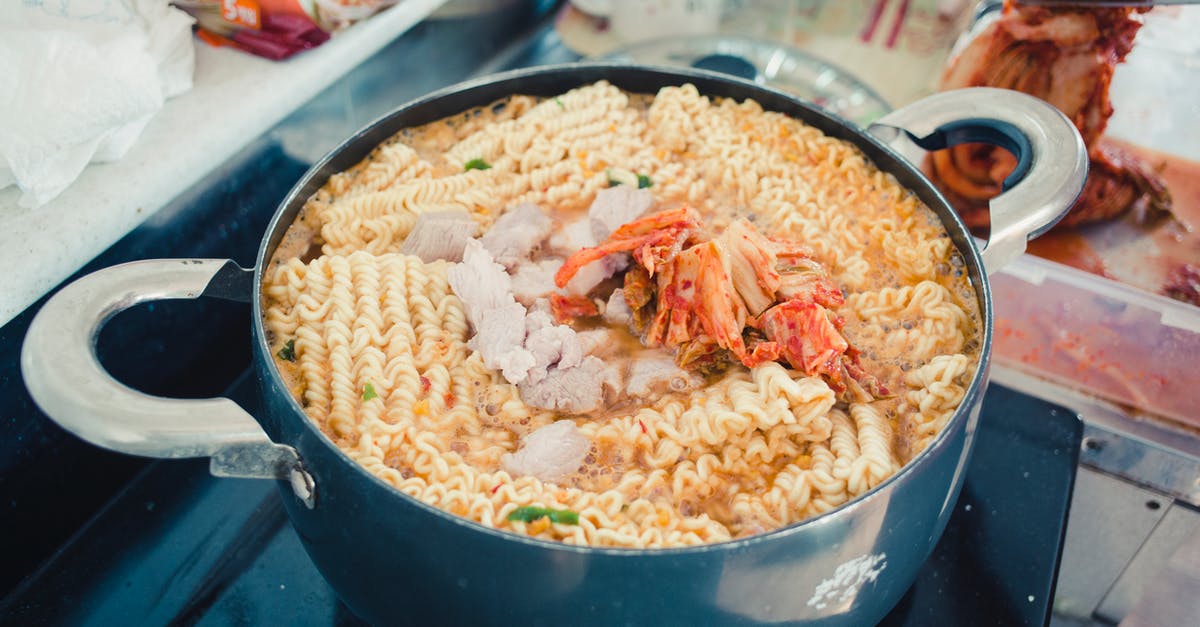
x,y
652,374
601,343
499,321
617,311
578,390
479,282
616,206
550,345
440,235
532,280
500,340
516,234
574,237
549,453
544,359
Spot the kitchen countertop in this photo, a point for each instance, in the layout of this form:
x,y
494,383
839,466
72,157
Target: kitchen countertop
x,y
234,99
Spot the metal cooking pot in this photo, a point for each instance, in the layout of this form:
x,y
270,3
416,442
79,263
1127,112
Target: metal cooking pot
x,y
393,559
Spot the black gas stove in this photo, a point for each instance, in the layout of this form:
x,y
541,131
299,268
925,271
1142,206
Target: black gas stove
x,y
101,538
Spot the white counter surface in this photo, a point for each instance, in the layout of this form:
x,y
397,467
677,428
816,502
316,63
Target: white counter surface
x,y
235,98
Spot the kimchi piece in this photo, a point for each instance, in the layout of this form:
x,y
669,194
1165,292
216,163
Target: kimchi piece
x,y
737,297
1065,56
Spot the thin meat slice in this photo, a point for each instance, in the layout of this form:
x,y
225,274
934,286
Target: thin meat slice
x,y
615,206
617,311
500,339
578,390
440,235
543,359
574,237
601,343
549,453
516,234
657,374
551,345
532,280
480,283
499,321
594,273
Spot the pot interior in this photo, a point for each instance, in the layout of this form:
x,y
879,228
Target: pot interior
x,y
553,80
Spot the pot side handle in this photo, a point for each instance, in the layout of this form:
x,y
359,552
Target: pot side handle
x,y
1052,160
65,378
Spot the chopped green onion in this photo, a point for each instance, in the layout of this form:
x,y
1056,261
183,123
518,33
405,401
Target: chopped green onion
x,y
369,392
621,176
618,176
559,102
288,352
530,513
476,164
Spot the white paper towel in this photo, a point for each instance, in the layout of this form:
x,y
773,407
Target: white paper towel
x,y
79,80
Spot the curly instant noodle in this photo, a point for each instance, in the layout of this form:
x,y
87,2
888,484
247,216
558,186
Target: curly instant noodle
x,y
382,357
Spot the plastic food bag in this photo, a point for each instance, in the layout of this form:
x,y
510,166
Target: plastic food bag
x,y
276,29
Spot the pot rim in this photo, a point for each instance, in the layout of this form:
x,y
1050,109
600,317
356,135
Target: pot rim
x,y
929,195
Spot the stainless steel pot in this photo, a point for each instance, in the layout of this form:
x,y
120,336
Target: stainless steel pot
x,y
393,559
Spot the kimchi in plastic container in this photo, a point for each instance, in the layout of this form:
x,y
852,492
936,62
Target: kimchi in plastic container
x,y
1099,336
1089,307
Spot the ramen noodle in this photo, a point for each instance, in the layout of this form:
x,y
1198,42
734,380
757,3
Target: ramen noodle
x,y
381,351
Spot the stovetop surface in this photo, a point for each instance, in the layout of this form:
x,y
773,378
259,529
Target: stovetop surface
x,y
178,545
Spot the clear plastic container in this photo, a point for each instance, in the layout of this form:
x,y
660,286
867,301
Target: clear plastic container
x,y
1156,102
1086,312
1101,337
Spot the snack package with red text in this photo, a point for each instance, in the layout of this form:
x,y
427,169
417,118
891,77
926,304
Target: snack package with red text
x,y
275,29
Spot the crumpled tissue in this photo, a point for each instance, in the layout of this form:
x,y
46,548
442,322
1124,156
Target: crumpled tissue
x,y
79,81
